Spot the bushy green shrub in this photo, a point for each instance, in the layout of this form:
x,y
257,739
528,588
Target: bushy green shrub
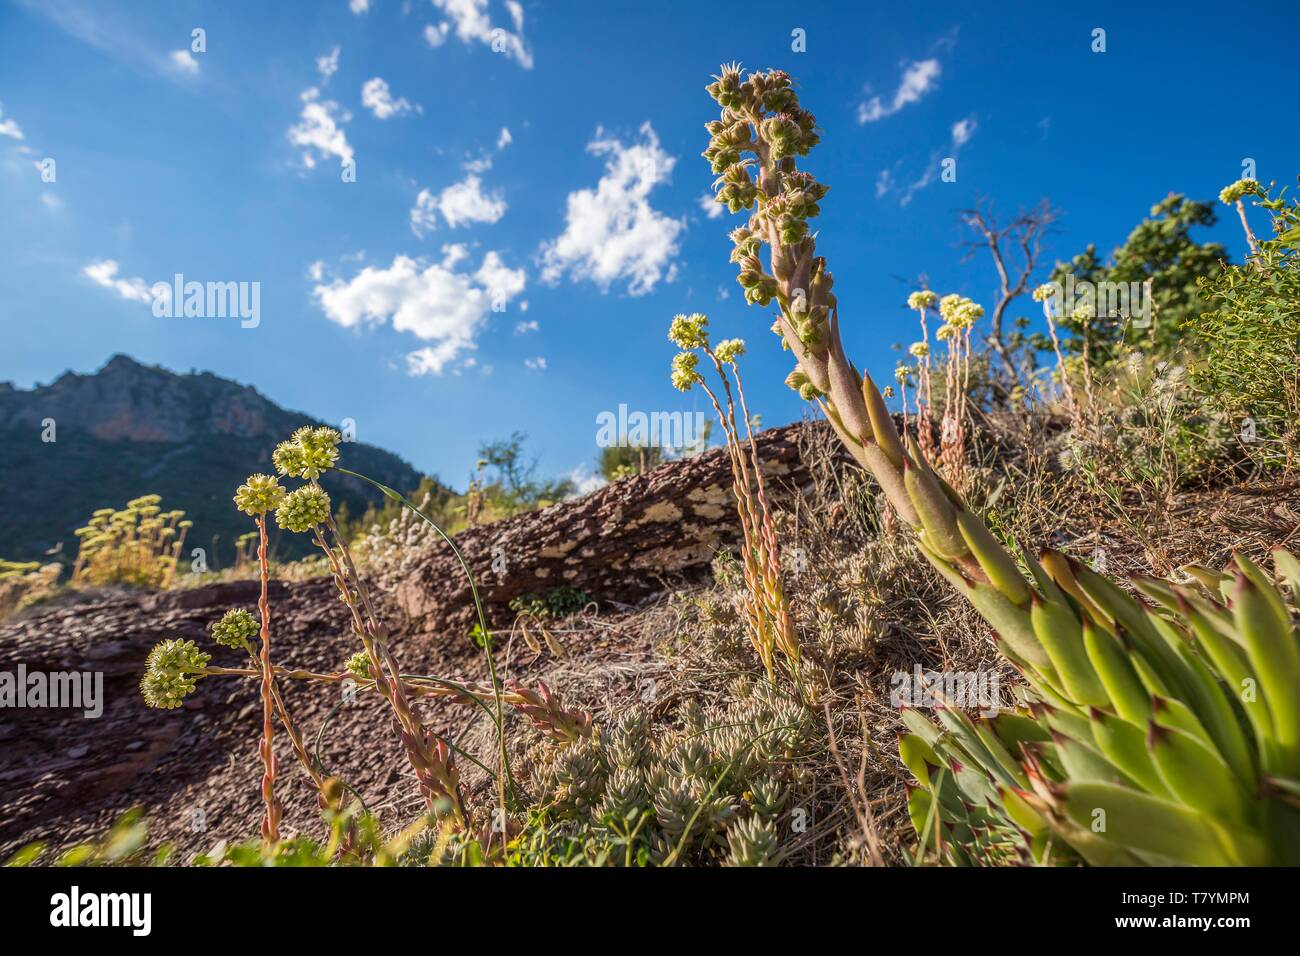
x,y
1248,341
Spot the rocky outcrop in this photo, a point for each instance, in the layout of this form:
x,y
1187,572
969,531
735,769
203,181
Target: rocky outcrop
x,y
633,538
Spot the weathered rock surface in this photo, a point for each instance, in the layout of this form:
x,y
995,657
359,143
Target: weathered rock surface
x,y
628,540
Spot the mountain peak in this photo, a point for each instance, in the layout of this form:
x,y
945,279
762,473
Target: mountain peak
x,y
131,429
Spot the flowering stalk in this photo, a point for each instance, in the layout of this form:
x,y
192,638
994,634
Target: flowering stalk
x,y
959,315
306,455
1044,295
234,630
432,761
271,823
257,496
546,710
1231,196
766,605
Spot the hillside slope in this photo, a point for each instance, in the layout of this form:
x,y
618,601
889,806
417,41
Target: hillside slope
x,y
131,429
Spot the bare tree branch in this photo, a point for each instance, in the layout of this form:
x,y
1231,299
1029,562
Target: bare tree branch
x,y
1022,240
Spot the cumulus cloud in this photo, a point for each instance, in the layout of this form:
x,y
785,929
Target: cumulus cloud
x,y
378,98
536,364
611,232
505,139
917,80
9,127
359,6
182,61
328,64
103,272
436,302
471,23
529,325
319,130
585,481
459,204
711,207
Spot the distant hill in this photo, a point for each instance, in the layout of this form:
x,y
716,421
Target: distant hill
x,y
132,429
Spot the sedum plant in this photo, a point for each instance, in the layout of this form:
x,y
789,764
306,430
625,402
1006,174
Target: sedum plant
x,y
24,583
1099,664
174,668
139,545
721,788
1153,734
1249,354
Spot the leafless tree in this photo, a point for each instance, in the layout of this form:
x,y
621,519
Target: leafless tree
x,y
1016,249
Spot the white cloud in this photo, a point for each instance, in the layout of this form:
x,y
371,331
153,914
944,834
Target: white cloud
x,y
528,326
319,129
376,97
536,364
884,183
436,303
9,127
963,130
52,202
103,272
328,64
182,61
471,23
917,80
710,206
585,481
961,134
359,6
612,232
459,204
436,36
505,139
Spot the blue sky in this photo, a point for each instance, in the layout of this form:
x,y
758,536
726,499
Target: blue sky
x,y
584,220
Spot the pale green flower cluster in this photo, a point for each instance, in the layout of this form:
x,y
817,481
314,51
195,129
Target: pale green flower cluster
x,y
685,371
729,350
1242,187
925,299
308,452
258,495
236,629
801,383
919,349
170,673
689,331
1044,292
959,311
303,509
358,665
